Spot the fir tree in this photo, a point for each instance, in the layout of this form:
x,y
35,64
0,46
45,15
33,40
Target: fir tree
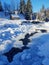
x,y
42,9
43,13
29,6
22,6
1,9
28,10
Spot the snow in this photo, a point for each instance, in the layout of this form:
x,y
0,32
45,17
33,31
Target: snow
x,y
3,60
11,31
2,16
44,49
7,16
3,34
6,46
21,17
13,15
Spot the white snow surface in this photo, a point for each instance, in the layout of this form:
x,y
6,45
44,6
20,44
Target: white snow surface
x,y
11,31
37,54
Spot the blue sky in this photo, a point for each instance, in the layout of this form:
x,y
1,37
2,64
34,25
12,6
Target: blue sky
x,y
37,4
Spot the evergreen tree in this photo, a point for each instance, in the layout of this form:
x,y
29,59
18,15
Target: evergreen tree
x,y
29,6
43,13
28,10
1,9
22,6
42,9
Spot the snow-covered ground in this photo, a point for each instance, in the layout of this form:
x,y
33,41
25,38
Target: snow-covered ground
x,y
11,31
7,16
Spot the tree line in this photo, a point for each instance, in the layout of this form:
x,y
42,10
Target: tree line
x,y
43,14
24,8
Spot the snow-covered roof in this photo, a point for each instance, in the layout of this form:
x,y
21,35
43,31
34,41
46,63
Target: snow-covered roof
x,y
14,15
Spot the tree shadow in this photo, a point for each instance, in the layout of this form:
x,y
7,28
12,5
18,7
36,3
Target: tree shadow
x,y
26,40
13,52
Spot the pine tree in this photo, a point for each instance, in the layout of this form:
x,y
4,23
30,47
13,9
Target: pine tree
x,y
29,6
1,9
28,10
42,9
43,13
22,6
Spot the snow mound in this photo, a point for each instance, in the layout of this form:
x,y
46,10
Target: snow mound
x,y
10,34
37,54
3,60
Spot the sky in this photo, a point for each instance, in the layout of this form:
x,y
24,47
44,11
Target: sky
x,y
36,4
